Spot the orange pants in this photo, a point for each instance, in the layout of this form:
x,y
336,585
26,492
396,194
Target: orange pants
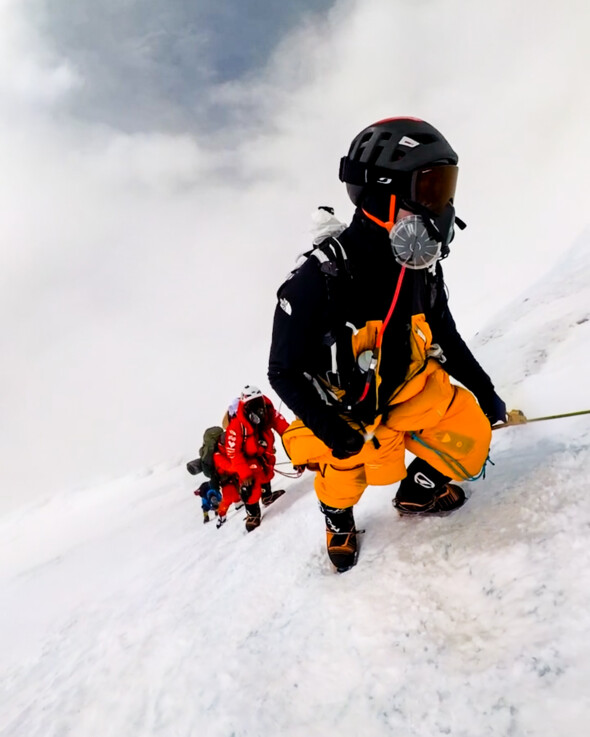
x,y
436,421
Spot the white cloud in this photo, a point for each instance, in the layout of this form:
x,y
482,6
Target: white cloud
x,y
130,259
158,162
29,73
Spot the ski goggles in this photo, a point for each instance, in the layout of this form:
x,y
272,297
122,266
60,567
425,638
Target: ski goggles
x,y
432,187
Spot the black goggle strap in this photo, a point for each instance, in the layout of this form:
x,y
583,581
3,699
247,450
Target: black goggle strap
x,y
432,188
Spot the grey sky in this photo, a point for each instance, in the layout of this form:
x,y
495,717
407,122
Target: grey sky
x,y
154,64
139,259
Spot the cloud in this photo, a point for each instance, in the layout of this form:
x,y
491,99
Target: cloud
x,y
152,66
29,73
140,255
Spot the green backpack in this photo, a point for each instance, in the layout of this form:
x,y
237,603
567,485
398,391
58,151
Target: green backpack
x,y
211,438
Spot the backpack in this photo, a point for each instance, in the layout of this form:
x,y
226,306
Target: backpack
x,y
204,463
211,437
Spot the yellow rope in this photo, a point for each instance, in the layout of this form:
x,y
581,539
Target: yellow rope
x,y
517,417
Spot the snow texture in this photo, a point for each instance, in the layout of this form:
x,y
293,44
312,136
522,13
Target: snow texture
x,y
123,615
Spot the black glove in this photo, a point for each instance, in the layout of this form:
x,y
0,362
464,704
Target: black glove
x,y
344,440
493,408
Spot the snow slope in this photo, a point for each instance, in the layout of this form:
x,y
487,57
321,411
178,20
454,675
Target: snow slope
x,y
123,616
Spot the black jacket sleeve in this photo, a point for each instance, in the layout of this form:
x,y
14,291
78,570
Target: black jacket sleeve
x,y
300,323
460,362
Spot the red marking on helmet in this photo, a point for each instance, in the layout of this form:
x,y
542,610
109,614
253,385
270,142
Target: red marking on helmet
x,y
389,120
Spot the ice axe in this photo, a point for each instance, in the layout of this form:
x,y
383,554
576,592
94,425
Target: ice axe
x,y
517,417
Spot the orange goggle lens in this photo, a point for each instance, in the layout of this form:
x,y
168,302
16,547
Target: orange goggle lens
x,y
434,188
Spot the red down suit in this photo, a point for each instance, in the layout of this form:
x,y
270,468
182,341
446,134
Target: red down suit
x,y
248,454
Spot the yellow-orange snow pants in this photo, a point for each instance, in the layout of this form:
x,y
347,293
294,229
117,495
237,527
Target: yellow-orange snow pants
x,y
432,418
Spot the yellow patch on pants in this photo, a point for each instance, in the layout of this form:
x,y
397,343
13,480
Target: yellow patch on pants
x,y
452,434
459,444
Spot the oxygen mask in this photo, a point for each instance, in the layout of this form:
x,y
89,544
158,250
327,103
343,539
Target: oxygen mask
x,y
255,410
419,240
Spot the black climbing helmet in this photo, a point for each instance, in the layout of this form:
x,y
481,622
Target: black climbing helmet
x,y
403,156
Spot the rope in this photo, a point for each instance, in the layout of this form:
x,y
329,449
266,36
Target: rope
x,y
294,475
517,417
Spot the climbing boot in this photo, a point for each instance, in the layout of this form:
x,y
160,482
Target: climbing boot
x,y
444,500
341,537
268,497
427,491
253,516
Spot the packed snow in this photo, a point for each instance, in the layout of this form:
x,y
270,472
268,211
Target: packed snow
x,y
123,615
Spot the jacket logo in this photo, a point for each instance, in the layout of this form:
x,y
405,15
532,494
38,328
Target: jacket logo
x,y
285,306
